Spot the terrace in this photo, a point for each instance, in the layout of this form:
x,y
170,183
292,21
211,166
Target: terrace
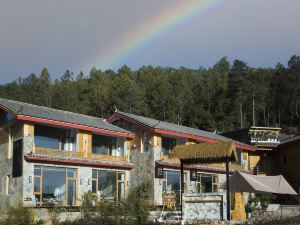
x,y
71,144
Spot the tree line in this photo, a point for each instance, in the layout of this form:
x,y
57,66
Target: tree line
x,y
225,97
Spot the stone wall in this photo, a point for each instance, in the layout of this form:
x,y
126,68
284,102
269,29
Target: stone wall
x,y
15,189
28,168
204,206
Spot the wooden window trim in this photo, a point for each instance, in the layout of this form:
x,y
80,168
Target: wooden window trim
x,y
117,182
67,178
212,181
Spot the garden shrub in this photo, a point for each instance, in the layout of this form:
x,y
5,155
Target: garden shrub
x,y
18,215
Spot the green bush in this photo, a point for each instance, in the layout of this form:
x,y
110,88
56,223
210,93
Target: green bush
x,y
17,215
134,210
54,214
274,221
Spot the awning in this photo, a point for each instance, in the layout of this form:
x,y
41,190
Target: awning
x,y
241,182
206,152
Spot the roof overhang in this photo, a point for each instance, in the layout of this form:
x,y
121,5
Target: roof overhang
x,y
77,162
116,116
73,126
194,167
205,153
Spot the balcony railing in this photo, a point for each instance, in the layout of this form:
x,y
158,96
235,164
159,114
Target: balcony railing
x,y
81,155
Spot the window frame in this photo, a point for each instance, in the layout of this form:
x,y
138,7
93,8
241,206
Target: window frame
x,y
213,184
40,177
185,181
116,195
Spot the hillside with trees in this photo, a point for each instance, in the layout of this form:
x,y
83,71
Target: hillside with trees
x,y
223,98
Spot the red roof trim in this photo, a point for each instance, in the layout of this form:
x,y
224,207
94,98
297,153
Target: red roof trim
x,y
173,133
253,149
70,125
79,163
195,167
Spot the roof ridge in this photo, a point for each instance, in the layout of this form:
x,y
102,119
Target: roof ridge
x,y
45,107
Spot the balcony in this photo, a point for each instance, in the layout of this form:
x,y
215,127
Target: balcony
x,y
78,155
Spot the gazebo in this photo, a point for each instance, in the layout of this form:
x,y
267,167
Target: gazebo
x,y
216,152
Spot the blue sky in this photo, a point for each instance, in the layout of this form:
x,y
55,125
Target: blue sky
x,y
70,34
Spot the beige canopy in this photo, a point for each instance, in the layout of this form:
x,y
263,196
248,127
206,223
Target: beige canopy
x,y
241,182
206,152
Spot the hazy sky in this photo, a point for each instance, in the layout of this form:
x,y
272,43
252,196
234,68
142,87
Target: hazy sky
x,y
77,35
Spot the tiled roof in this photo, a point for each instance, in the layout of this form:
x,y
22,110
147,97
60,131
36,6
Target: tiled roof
x,y
25,109
209,168
78,161
288,140
162,125
206,152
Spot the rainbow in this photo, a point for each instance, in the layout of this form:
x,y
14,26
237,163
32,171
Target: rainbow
x,y
181,13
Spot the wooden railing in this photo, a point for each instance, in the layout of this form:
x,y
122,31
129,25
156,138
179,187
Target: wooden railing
x,y
83,155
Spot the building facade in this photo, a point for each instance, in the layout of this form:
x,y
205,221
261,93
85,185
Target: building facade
x,y
151,145
286,161
50,157
265,140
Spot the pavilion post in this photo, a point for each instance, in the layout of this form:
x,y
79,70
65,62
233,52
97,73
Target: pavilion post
x,y
227,187
182,187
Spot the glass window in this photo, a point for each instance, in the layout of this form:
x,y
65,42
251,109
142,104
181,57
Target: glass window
x,y
171,181
54,138
37,170
168,144
55,186
47,137
109,185
207,183
71,192
94,174
121,190
37,184
17,158
94,186
46,142
72,173
103,144
121,176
